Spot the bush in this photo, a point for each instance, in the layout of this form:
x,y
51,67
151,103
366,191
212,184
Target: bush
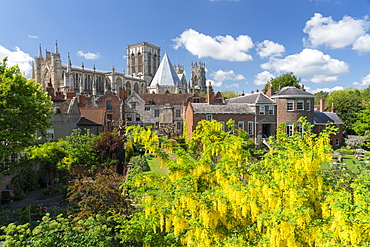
x,y
24,182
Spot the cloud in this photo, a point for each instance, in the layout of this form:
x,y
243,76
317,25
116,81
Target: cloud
x,y
263,77
365,82
88,55
33,36
270,49
220,76
362,44
219,47
311,63
326,89
325,31
215,84
17,57
230,75
232,85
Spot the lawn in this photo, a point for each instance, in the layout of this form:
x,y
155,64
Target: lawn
x,y
350,161
155,165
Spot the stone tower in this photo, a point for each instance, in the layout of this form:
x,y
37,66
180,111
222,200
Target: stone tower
x,y
198,77
143,60
48,71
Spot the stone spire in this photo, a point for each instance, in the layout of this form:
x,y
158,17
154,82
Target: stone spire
x,y
56,47
40,51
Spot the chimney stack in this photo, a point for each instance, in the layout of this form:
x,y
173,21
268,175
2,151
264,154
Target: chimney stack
x,y
322,105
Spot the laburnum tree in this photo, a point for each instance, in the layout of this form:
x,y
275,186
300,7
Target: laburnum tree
x,y
220,198
24,109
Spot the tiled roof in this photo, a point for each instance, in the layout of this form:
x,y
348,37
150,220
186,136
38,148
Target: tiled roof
x,y
221,108
166,74
326,117
255,98
95,115
62,105
292,92
162,99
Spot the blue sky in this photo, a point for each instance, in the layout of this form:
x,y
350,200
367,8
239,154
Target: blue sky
x,y
243,43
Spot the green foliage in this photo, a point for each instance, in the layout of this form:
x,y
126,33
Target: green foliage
x,y
320,95
229,94
50,154
347,103
100,196
62,232
80,149
346,152
362,124
25,108
139,164
288,79
26,180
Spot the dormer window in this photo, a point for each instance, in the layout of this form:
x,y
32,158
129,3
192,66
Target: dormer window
x,y
133,105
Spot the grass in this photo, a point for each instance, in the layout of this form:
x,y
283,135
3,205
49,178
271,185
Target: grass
x,y
350,161
155,165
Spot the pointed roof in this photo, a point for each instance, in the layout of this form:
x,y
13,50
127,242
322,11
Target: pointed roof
x,y
166,74
255,98
292,92
326,117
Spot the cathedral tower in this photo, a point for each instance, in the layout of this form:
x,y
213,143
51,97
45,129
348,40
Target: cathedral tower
x,y
198,77
143,60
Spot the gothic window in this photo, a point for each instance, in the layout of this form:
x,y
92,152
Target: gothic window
x,y
140,62
136,88
128,88
129,117
133,70
155,63
133,105
149,63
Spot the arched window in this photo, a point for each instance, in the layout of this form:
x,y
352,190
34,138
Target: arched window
x,y
140,62
149,63
128,88
136,87
133,65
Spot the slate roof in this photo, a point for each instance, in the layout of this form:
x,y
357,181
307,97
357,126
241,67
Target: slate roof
x,y
325,117
92,116
255,98
61,106
292,92
166,74
205,108
162,99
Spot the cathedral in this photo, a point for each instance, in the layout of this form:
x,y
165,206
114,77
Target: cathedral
x,y
145,74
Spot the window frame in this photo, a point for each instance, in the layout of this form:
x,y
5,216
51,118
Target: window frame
x,y
290,105
271,109
300,105
262,110
156,113
251,128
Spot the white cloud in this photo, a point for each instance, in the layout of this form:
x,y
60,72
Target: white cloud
x,y
33,36
232,85
362,44
215,84
325,31
270,49
312,63
326,89
221,75
365,82
219,47
17,57
88,55
263,77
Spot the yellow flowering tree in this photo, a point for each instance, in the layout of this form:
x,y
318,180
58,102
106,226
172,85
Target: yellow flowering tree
x,y
218,198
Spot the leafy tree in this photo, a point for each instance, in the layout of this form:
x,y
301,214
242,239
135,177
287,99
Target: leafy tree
x,y
288,79
320,95
347,103
24,109
80,149
229,94
362,125
110,149
100,196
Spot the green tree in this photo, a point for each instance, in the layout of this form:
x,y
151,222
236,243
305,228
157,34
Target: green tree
x,y
288,79
347,103
362,125
229,94
24,109
320,95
